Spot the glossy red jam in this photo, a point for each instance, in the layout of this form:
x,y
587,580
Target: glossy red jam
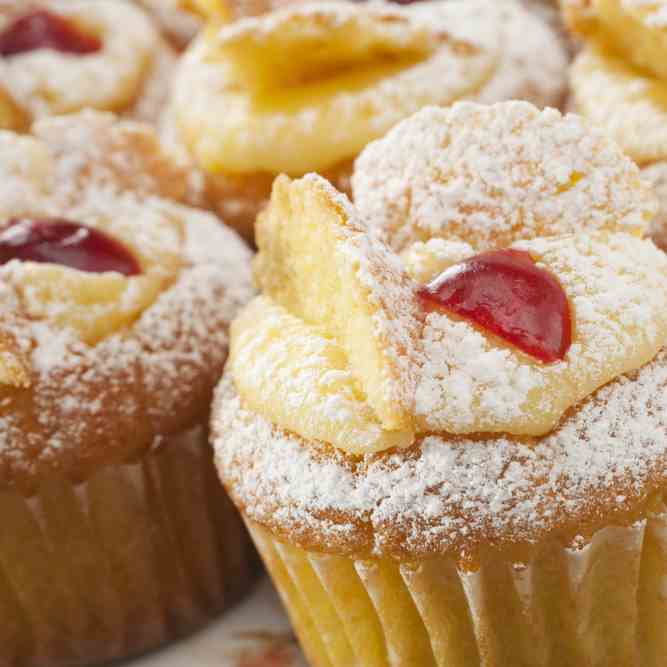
x,y
41,29
505,293
59,241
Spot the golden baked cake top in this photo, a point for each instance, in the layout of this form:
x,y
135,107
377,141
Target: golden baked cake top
x,y
61,56
245,100
116,298
373,410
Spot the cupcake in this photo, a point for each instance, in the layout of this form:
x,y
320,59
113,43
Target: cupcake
x,y
619,82
247,106
61,56
443,423
117,533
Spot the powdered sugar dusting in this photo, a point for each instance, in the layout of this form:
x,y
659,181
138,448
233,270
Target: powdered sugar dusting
x,y
448,494
387,290
26,173
93,149
425,260
491,175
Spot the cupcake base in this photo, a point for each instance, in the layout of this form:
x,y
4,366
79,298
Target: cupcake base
x,y
137,555
602,604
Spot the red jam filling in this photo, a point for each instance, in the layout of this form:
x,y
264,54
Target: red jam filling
x,y
505,293
59,241
41,29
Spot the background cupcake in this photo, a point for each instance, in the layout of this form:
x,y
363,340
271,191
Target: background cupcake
x,y
117,534
61,56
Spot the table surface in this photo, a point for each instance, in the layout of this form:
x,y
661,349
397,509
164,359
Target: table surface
x,y
254,634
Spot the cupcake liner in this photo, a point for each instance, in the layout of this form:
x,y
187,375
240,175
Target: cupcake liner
x,y
138,554
601,604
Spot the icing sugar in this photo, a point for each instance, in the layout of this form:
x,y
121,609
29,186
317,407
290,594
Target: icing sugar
x,y
92,150
518,76
490,175
277,354
425,261
449,493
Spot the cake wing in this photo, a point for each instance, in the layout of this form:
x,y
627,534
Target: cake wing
x,y
317,260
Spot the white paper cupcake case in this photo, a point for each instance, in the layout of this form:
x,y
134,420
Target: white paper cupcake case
x,y
602,604
137,555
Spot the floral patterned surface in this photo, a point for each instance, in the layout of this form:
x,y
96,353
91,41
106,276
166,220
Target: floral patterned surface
x,y
255,634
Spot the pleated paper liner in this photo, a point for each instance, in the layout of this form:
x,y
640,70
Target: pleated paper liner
x,y
601,605
139,554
